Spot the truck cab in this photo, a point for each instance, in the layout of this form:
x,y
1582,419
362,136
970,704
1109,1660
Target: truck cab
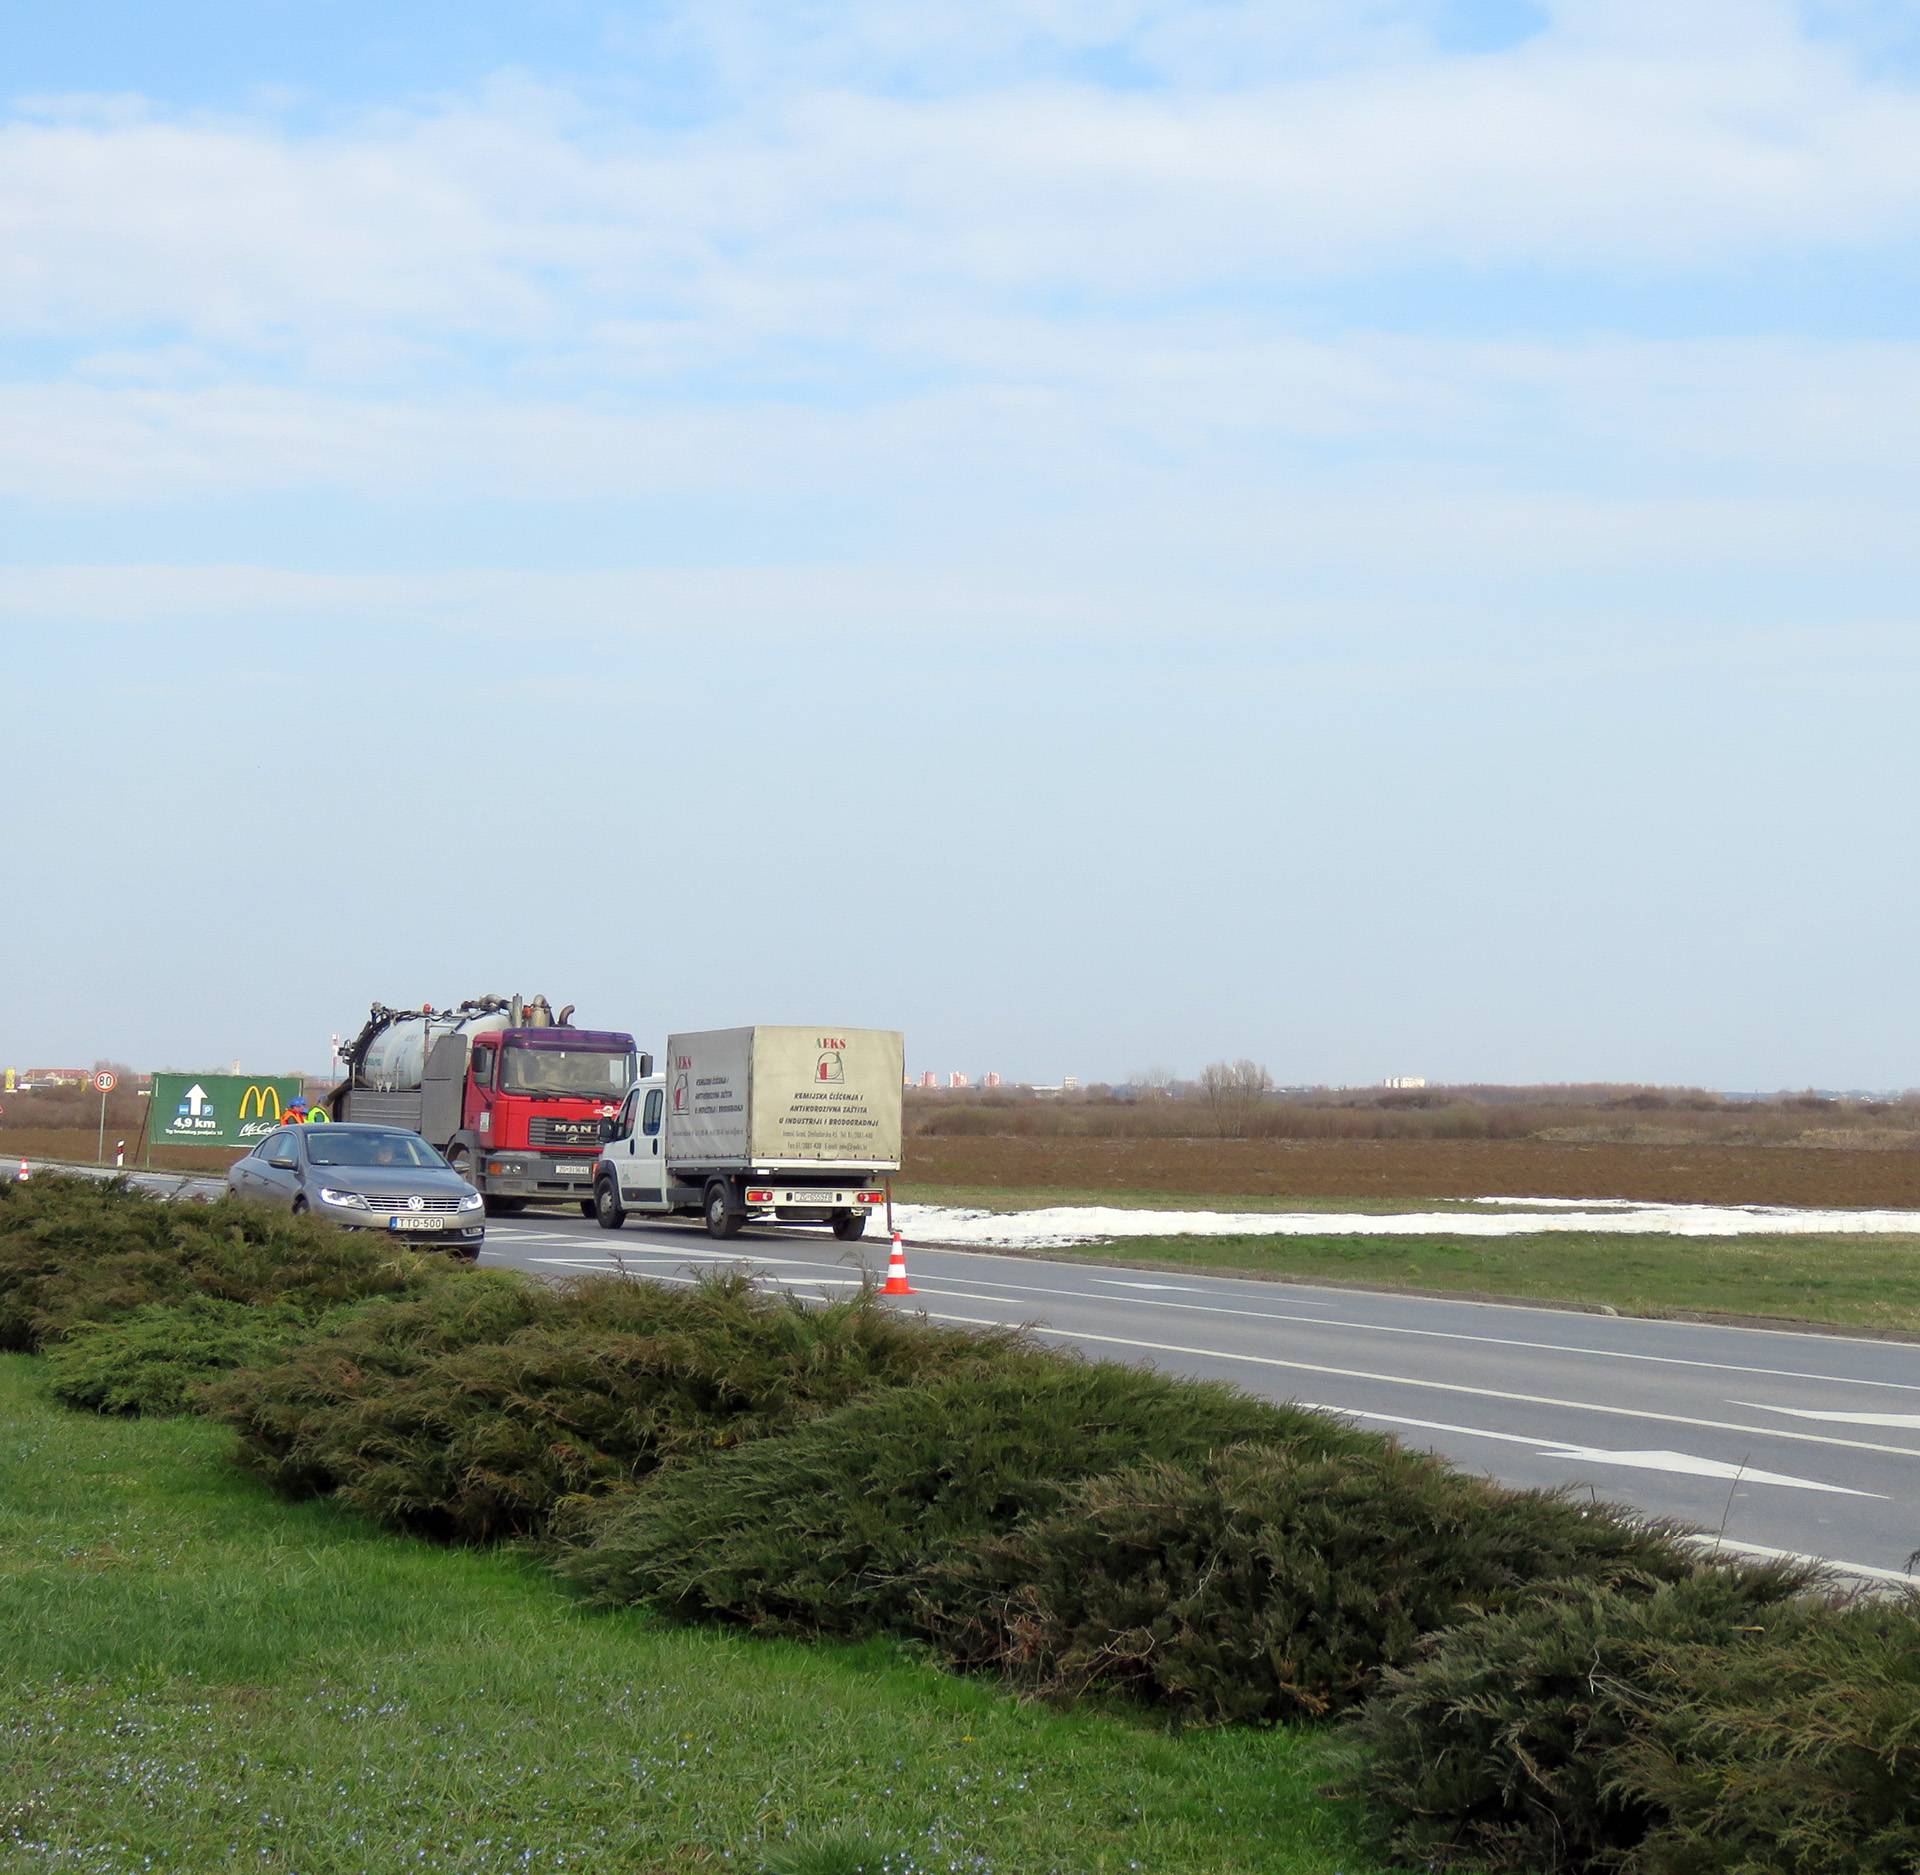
x,y
630,1169
533,1107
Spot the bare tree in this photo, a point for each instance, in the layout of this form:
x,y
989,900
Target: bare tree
x,y
1234,1091
1156,1081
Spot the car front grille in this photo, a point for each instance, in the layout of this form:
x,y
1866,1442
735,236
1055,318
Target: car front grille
x,y
389,1207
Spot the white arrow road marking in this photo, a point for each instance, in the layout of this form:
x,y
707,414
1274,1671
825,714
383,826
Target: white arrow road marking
x,y
1683,1462
1895,1422
1120,1282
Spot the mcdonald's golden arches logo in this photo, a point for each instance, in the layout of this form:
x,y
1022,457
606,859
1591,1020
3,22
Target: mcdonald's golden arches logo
x,y
253,1103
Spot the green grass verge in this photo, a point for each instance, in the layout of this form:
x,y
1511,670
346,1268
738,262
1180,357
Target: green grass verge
x,y
197,1676
1840,1281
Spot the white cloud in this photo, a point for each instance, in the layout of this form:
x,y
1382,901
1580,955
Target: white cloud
x,y
1113,409
965,309
531,217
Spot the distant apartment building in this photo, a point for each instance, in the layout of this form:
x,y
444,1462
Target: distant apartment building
x,y
930,1079
957,1079
1052,1090
1400,1081
989,1079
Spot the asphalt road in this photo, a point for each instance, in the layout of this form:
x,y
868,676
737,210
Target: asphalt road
x,y
1773,1440
1767,1439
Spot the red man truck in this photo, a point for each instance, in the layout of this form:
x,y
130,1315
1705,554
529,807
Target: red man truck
x,y
517,1099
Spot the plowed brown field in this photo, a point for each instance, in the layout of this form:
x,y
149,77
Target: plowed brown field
x,y
77,1144
1819,1177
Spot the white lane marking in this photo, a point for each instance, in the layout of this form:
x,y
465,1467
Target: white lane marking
x,y
1121,1282
612,1260
1441,1386
658,1275
1894,1422
1682,1462
1901,1576
1444,1334
1255,1285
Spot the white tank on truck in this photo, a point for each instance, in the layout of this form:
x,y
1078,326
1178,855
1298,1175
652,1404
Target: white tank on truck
x,y
393,1057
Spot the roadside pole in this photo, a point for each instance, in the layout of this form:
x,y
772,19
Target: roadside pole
x,y
104,1084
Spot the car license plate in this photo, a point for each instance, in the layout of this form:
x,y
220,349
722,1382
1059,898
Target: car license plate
x,y
415,1223
575,1171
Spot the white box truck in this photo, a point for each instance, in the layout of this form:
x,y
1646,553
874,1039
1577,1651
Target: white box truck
x,y
801,1125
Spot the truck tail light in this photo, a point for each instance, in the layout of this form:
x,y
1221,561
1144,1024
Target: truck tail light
x,y
872,1197
759,1197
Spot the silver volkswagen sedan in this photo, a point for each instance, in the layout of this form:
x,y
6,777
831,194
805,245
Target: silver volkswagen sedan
x,y
367,1178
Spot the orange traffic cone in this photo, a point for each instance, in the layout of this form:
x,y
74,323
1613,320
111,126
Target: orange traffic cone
x,y
21,1177
896,1283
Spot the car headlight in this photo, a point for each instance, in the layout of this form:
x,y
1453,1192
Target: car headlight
x,y
472,1201
352,1200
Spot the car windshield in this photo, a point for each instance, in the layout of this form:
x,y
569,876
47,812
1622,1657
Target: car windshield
x,y
328,1146
585,1073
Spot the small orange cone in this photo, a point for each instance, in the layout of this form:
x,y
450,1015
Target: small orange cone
x,y
21,1177
896,1283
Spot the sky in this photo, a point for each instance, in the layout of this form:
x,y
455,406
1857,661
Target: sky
x,y
1374,535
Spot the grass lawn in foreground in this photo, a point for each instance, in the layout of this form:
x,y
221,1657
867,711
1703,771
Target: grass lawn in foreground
x,y
196,1676
1839,1281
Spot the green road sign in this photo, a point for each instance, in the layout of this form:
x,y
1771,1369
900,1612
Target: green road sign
x,y
218,1109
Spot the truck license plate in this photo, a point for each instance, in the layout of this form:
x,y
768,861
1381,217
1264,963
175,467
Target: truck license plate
x,y
575,1171
415,1223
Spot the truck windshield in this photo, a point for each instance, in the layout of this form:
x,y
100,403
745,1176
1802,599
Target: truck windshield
x,y
586,1074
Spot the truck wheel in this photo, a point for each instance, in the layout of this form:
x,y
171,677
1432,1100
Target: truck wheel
x,y
848,1225
606,1208
722,1219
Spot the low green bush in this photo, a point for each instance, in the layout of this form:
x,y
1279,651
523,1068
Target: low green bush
x,y
294,1415
157,1358
1266,1584
76,1252
1532,1739
472,1422
840,1525
1797,1753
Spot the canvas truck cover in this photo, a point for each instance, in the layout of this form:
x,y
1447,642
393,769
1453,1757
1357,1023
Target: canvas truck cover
x,y
785,1096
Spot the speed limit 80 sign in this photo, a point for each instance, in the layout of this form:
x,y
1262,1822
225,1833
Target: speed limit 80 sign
x,y
105,1083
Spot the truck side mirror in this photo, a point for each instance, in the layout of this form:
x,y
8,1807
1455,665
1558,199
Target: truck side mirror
x,y
646,1067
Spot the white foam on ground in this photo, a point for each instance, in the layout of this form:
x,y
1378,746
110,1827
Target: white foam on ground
x,y
1065,1225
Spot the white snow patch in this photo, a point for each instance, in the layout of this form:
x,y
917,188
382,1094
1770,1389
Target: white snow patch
x,y
1064,1225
